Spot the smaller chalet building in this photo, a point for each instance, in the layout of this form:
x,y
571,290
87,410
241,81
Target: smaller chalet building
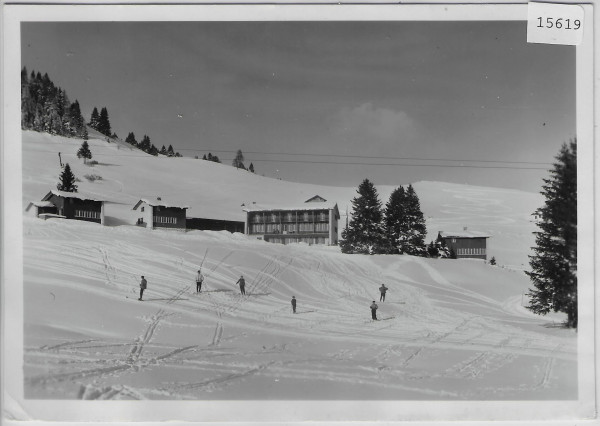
x,y
68,205
159,214
313,222
466,244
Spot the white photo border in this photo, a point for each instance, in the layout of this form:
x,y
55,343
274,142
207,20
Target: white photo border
x,y
17,410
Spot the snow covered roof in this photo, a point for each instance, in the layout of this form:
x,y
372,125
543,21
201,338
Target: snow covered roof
x,y
316,198
313,205
40,204
65,194
463,234
158,203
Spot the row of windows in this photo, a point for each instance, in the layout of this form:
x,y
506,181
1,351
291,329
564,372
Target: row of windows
x,y
165,219
289,217
307,240
470,251
87,214
271,228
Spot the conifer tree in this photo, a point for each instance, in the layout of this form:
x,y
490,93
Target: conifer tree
x,y
104,123
163,150
76,122
251,168
131,139
204,157
145,144
170,151
554,262
67,180
415,229
94,119
365,233
84,151
238,161
395,220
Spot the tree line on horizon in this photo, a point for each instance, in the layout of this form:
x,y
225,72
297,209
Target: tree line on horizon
x,y
46,107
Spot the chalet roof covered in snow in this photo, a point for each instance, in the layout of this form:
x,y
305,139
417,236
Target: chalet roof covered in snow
x,y
158,202
65,194
463,234
40,204
313,205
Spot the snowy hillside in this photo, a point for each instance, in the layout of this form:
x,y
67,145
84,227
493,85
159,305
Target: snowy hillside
x,y
217,191
449,329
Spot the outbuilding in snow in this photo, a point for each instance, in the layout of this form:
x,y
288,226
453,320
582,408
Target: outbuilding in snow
x,y
37,208
69,205
157,213
466,244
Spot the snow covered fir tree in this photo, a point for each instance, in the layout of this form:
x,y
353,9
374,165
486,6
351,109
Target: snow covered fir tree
x,y
365,233
554,263
84,151
404,223
67,180
397,229
238,161
46,107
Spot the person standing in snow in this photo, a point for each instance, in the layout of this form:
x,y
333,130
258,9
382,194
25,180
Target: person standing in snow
x,y
143,285
374,310
242,284
199,279
294,304
382,290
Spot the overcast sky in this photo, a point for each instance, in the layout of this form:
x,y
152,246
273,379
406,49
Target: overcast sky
x,y
429,91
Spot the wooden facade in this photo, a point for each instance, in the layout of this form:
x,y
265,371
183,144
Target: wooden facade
x,y
70,205
158,214
466,244
214,224
314,222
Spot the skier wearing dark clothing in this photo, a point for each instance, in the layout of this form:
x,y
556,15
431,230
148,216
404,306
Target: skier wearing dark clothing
x,y
374,310
143,285
294,304
242,284
199,279
382,289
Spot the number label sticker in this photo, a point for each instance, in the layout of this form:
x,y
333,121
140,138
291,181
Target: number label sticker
x,y
553,23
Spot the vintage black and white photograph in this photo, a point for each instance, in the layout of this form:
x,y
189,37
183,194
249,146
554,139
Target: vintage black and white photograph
x,y
300,210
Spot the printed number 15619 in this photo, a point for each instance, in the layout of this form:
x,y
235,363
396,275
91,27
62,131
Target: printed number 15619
x,y
559,23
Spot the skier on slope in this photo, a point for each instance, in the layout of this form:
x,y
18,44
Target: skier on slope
x,y
382,290
242,284
199,280
143,285
294,304
374,310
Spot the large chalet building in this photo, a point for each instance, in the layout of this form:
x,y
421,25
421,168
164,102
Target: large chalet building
x,y
313,222
466,244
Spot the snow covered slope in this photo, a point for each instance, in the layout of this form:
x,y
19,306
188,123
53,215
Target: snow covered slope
x,y
449,330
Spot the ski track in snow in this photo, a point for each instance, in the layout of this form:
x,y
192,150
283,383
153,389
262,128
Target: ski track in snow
x,y
403,355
